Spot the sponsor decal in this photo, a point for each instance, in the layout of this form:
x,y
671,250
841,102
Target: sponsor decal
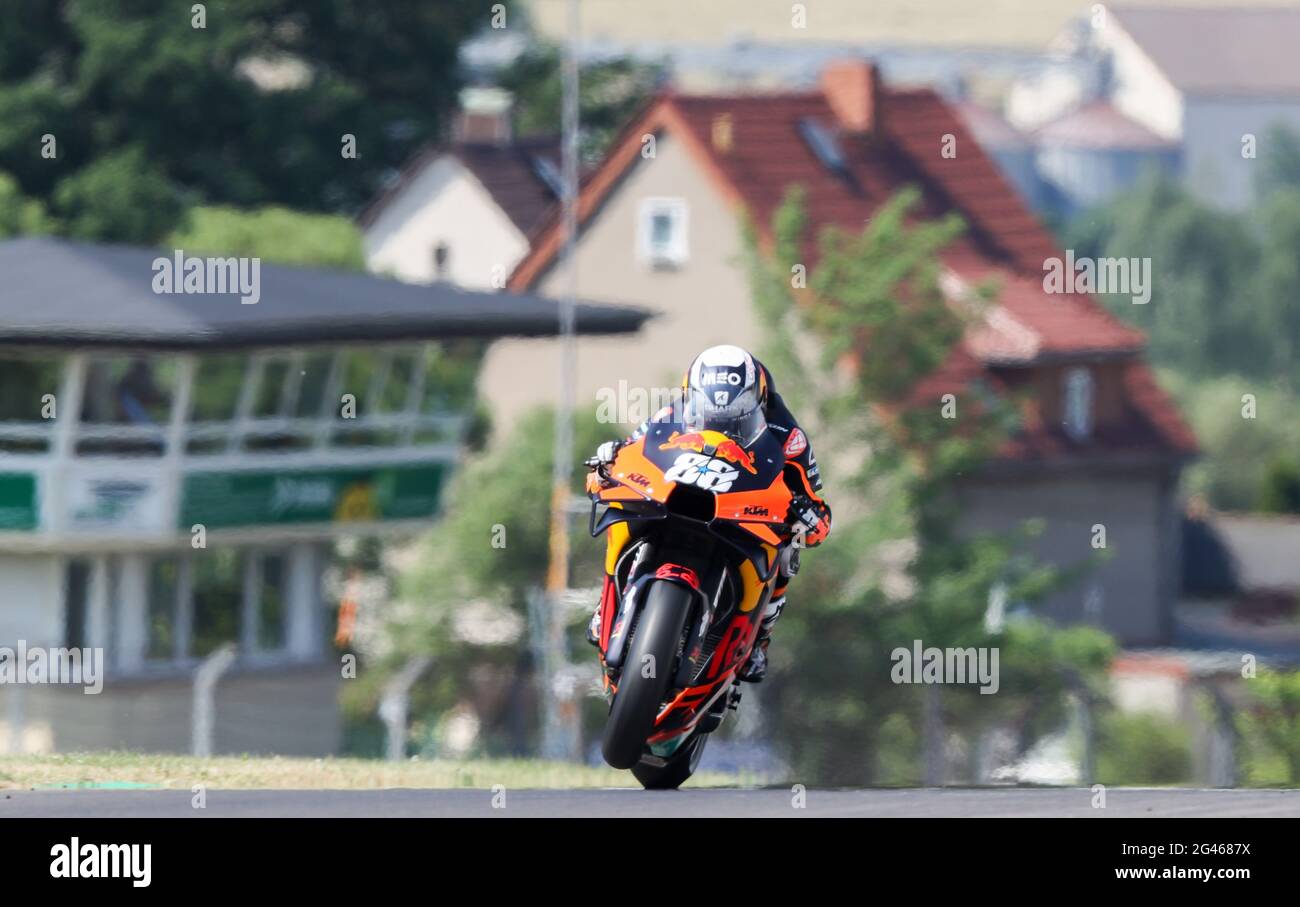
x,y
714,444
796,444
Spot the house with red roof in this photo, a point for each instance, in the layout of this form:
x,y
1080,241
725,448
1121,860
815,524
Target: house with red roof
x,y
660,218
460,211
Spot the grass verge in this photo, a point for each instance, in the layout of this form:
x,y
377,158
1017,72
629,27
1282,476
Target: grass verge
x,y
117,769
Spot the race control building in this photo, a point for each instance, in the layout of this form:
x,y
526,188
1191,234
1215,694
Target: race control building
x,y
135,423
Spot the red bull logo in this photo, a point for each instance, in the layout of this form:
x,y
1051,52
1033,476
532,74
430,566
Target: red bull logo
x,y
714,444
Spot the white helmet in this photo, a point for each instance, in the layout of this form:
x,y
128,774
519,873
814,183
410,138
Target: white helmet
x,y
724,392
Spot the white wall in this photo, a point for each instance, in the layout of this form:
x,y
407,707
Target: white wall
x,y
31,599
444,204
1133,585
1140,91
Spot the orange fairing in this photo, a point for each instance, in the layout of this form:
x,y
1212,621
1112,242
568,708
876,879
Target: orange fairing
x,y
640,479
761,511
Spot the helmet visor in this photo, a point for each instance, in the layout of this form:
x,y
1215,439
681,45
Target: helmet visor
x,y
738,416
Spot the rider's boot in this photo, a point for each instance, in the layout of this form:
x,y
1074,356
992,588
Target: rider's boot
x,y
755,667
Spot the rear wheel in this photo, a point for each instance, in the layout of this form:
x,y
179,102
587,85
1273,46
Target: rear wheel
x,y
647,672
675,769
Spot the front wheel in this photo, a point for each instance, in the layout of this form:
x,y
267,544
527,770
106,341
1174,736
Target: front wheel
x,y
647,672
673,771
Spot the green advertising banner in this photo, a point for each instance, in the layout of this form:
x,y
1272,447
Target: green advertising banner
x,y
260,498
18,508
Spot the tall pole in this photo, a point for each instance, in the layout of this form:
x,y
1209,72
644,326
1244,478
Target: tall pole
x,y
557,577
558,714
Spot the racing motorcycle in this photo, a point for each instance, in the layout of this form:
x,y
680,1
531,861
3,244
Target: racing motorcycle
x,y
698,535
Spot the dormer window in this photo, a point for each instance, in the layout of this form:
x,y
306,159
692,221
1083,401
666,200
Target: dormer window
x,y
662,233
441,261
1077,416
824,145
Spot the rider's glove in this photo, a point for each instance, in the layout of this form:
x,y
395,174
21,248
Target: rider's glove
x,y
605,453
804,513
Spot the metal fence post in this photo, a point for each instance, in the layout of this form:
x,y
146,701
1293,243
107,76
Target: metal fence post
x,y
395,703
205,684
16,720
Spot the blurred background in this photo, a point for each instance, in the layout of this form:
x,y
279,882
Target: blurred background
x,y
1104,490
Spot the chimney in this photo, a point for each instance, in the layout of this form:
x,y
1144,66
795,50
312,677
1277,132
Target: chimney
x,y
484,117
852,88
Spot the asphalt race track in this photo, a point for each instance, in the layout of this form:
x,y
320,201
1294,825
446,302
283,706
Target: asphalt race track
x,y
947,803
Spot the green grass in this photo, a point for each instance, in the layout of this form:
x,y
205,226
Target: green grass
x,y
118,769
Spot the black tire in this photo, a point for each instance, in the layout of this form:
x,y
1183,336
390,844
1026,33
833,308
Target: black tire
x,y
678,767
658,635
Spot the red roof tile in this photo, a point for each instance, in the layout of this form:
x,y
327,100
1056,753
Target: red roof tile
x,y
509,172
768,153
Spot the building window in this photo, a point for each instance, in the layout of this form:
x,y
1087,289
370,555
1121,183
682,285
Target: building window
x,y
662,240
271,607
218,594
163,608
76,603
1077,411
126,404
197,603
29,386
441,261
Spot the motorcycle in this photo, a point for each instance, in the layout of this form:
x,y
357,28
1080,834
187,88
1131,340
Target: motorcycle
x,y
698,537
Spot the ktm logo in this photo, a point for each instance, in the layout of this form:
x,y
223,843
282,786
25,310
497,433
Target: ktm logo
x,y
755,510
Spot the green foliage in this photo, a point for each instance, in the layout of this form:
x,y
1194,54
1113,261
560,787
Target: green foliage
x,y
19,215
1280,490
1136,748
1275,300
509,488
1223,297
249,110
119,196
274,235
1270,723
896,569
1279,165
491,546
1202,262
1237,452
609,92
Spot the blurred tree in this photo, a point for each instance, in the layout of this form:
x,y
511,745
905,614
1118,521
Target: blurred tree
x,y
145,106
1280,490
274,234
1136,748
897,568
1270,723
119,196
610,91
486,553
1202,262
19,215
1279,165
1237,451
1275,300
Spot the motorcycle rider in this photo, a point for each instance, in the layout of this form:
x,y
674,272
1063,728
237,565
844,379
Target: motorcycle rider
x,y
728,390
